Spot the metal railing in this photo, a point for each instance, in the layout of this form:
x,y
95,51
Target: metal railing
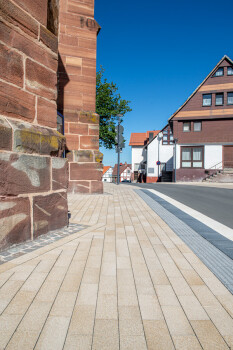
x,y
216,166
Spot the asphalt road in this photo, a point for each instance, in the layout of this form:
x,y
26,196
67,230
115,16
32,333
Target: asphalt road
x,y
216,203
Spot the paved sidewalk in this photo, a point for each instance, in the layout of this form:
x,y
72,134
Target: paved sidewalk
x,y
127,282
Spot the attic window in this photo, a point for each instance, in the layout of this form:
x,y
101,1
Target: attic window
x,y
219,72
229,70
151,135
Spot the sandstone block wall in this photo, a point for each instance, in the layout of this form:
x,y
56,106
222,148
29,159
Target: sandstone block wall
x,y
33,179
77,93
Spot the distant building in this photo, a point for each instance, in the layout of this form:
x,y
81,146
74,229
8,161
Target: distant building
x,y
125,172
107,174
137,142
160,149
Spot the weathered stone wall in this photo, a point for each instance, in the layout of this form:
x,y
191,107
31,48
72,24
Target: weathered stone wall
x,y
33,184
77,92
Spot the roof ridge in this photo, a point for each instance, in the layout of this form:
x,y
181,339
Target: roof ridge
x,y
199,86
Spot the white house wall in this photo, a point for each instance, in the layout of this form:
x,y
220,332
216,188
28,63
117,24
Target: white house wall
x,y
165,156
213,157
137,155
126,174
107,177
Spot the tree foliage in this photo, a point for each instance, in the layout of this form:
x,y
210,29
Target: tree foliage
x,y
108,104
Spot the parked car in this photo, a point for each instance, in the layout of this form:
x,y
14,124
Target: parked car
x,y
126,180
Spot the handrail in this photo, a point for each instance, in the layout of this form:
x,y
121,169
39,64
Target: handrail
x,y
214,166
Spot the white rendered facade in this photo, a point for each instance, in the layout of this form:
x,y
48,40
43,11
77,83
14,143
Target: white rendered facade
x,y
157,151
212,156
138,156
126,174
107,177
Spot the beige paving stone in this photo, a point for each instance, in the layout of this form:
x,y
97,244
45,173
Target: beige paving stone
x,y
129,312
227,302
166,295
78,342
130,327
108,269
94,260
123,262
229,340
127,298
4,276
23,273
87,294
188,342
205,296
91,275
57,273
106,335
82,320
159,277
107,285
107,307
144,286
109,257
133,342
20,303
192,308
9,289
4,302
180,286
177,322
8,325
216,286
72,282
22,340
208,335
192,277
48,291
221,319
35,317
64,304
150,308
157,335
125,277
53,334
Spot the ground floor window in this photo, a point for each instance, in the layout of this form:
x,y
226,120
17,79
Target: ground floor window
x,y
192,157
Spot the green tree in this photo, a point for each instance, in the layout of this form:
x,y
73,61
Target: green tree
x,y
108,104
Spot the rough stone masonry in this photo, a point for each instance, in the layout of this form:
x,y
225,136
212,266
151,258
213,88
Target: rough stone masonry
x,y
33,177
77,92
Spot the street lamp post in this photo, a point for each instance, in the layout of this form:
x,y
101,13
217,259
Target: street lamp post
x,y
118,147
160,135
175,141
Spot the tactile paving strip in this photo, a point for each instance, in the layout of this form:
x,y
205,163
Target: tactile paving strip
x,y
198,237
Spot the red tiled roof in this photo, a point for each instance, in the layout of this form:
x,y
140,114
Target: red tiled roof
x,y
105,169
137,139
141,138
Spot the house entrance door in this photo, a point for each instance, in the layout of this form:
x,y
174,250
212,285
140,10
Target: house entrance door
x,y
228,157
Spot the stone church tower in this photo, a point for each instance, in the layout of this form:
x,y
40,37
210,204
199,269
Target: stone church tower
x,y
39,62
77,92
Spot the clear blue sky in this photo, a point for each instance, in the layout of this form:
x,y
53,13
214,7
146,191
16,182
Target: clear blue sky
x,y
158,53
